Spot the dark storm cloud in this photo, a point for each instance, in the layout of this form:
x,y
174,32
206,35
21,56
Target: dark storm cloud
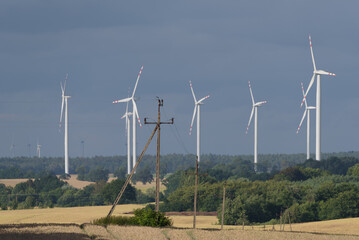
x,y
219,45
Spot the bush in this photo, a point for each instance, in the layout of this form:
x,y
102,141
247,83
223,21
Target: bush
x,y
149,217
143,217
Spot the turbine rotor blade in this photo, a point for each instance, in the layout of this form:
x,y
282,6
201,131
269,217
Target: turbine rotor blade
x,y
123,100
250,119
311,52
194,115
322,72
138,77
200,101
135,112
300,124
305,100
62,109
250,89
310,85
194,97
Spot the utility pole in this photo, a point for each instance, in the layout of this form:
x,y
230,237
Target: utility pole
x,y
158,124
223,204
195,193
83,148
131,174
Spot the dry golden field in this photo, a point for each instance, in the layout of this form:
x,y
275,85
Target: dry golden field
x,y
84,215
89,231
81,184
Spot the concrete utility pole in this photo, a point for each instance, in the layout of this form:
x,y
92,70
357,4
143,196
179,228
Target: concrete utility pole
x,y
158,124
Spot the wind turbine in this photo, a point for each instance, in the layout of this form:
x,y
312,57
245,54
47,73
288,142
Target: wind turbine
x,y
306,113
38,149
134,115
12,148
64,102
317,73
255,111
128,134
197,105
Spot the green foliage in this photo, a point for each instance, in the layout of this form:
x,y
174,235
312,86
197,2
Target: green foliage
x,y
111,190
120,172
143,217
116,220
354,170
149,217
143,175
234,212
306,212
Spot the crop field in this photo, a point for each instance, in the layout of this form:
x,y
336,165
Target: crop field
x,y
77,221
81,184
89,231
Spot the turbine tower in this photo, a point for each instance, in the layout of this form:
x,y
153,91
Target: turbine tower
x,y
317,73
12,147
66,138
197,105
38,149
134,115
128,135
306,113
255,111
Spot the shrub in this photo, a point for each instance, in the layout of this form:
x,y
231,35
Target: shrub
x,y
149,217
143,217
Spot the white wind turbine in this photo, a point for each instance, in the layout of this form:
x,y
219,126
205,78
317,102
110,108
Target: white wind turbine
x,y
197,105
12,147
128,134
255,111
306,113
38,149
66,142
134,115
317,73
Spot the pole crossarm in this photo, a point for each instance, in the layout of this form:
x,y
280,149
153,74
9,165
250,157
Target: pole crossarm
x,y
131,174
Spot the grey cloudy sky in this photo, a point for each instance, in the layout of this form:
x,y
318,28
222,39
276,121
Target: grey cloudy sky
x,y
219,45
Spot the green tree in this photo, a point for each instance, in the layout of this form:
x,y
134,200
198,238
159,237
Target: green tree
x,y
143,175
354,170
121,172
111,190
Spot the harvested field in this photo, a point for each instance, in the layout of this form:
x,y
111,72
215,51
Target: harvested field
x,y
88,231
81,184
12,182
77,215
84,215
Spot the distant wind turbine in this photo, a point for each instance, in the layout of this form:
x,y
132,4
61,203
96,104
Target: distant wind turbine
x,y
127,116
306,113
38,149
317,73
255,111
12,148
134,115
66,137
197,105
